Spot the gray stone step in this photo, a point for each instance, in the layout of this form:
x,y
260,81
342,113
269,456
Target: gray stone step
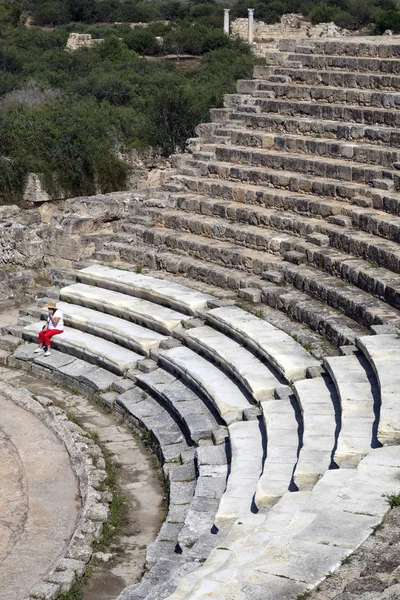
x,y
317,401
153,316
246,466
291,180
325,320
331,168
354,382
324,147
303,538
355,303
324,93
91,348
336,78
352,63
180,400
159,291
263,229
282,449
382,351
380,47
328,111
255,377
281,351
142,411
127,334
210,381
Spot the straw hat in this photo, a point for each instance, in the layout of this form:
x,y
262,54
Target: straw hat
x,y
51,304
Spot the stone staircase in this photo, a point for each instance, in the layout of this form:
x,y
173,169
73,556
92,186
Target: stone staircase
x,y
292,190
273,460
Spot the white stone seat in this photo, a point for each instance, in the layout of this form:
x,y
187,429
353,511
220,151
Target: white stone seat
x,y
257,379
153,316
89,347
357,408
383,353
160,291
246,465
131,335
281,351
209,380
282,447
316,402
303,538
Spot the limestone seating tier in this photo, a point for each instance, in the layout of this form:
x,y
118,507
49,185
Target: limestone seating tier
x,y
314,244
246,466
305,536
255,377
156,317
89,347
359,404
162,292
208,379
282,431
318,403
300,306
382,351
115,329
181,400
281,351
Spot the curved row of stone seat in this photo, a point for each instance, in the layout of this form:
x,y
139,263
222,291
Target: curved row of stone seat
x,y
298,305
140,311
382,351
353,302
323,245
359,406
158,291
304,537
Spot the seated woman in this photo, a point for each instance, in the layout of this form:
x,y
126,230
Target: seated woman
x,y
54,326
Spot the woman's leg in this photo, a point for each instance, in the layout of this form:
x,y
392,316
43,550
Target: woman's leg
x,y
41,341
49,334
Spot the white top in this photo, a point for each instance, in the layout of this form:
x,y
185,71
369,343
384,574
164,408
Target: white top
x,y
57,315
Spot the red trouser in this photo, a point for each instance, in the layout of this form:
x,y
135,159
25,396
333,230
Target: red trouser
x,y
44,336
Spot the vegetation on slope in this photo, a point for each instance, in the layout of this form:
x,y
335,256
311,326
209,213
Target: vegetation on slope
x,y
71,115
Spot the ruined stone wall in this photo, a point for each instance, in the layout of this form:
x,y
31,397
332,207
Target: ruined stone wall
x,y
290,26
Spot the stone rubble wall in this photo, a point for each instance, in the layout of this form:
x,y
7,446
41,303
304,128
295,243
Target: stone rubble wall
x,y
291,26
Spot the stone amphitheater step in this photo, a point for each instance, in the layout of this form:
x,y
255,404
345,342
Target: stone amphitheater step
x,y
282,450
318,93
369,219
182,401
330,168
325,320
259,381
304,234
289,180
246,466
352,63
359,404
153,316
335,78
91,348
302,539
317,127
323,147
114,329
210,381
319,406
382,351
355,303
368,47
277,348
159,291
318,110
